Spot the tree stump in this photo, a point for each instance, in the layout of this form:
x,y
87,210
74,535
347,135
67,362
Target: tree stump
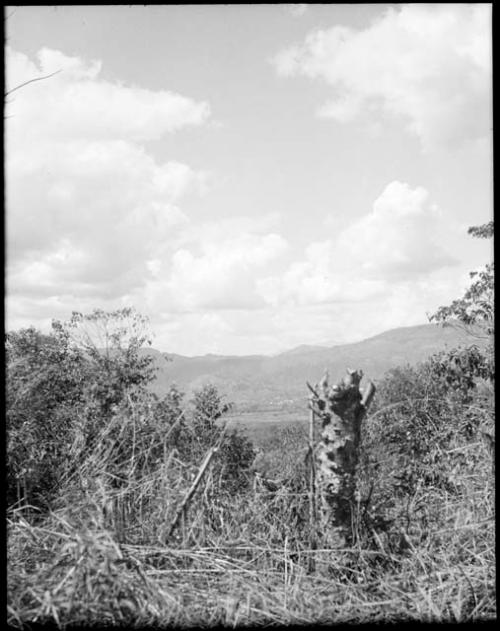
x,y
341,409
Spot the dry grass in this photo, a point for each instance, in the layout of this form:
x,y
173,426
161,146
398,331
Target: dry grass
x,y
102,556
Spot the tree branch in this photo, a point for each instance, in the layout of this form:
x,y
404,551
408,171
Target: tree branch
x,y
31,81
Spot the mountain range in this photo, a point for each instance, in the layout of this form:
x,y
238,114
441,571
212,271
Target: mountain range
x,y
256,382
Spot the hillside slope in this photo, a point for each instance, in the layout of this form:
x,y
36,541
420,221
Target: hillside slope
x,y
260,381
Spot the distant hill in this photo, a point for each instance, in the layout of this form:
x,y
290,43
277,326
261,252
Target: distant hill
x,y
303,348
259,381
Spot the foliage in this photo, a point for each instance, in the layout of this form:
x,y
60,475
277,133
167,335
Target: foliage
x,y
236,451
61,388
476,307
236,455
459,370
243,558
85,385
209,406
425,419
483,232
111,464
44,387
112,343
170,418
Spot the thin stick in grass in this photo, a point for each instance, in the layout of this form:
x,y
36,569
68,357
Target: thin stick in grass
x,y
312,489
191,491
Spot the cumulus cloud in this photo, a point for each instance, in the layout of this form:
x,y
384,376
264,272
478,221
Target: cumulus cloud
x,y
428,64
399,240
76,103
226,229
101,208
218,274
89,210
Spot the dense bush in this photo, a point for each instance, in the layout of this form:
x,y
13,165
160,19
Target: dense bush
x,y
425,432
84,388
45,384
61,389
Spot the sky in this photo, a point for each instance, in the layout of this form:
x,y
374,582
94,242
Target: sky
x,y
249,177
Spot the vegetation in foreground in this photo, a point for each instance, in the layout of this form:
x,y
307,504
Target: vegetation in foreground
x,y
110,522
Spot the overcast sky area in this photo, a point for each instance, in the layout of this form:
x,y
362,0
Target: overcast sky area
x,y
251,178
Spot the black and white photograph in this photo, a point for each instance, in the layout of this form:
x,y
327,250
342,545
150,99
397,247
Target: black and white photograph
x,y
249,314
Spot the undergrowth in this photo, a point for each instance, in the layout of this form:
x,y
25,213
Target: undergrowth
x,y
110,545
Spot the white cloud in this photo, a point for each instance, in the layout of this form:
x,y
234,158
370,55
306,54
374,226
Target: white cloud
x,y
213,266
225,273
76,103
399,241
344,109
92,199
428,64
226,229
88,208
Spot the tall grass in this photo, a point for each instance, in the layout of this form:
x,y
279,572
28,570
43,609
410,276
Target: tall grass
x,y
104,553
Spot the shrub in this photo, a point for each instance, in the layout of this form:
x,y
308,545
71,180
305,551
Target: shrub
x,y
44,392
62,389
235,451
427,425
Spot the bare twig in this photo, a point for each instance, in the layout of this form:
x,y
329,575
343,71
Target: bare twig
x,y
174,424
21,85
313,390
192,490
368,395
312,489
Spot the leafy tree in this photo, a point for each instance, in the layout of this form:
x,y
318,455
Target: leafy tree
x,y
424,420
458,370
66,384
476,307
209,406
83,389
236,452
170,417
112,343
44,389
483,232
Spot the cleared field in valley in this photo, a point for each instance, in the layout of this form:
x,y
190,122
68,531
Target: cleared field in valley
x,y
251,419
